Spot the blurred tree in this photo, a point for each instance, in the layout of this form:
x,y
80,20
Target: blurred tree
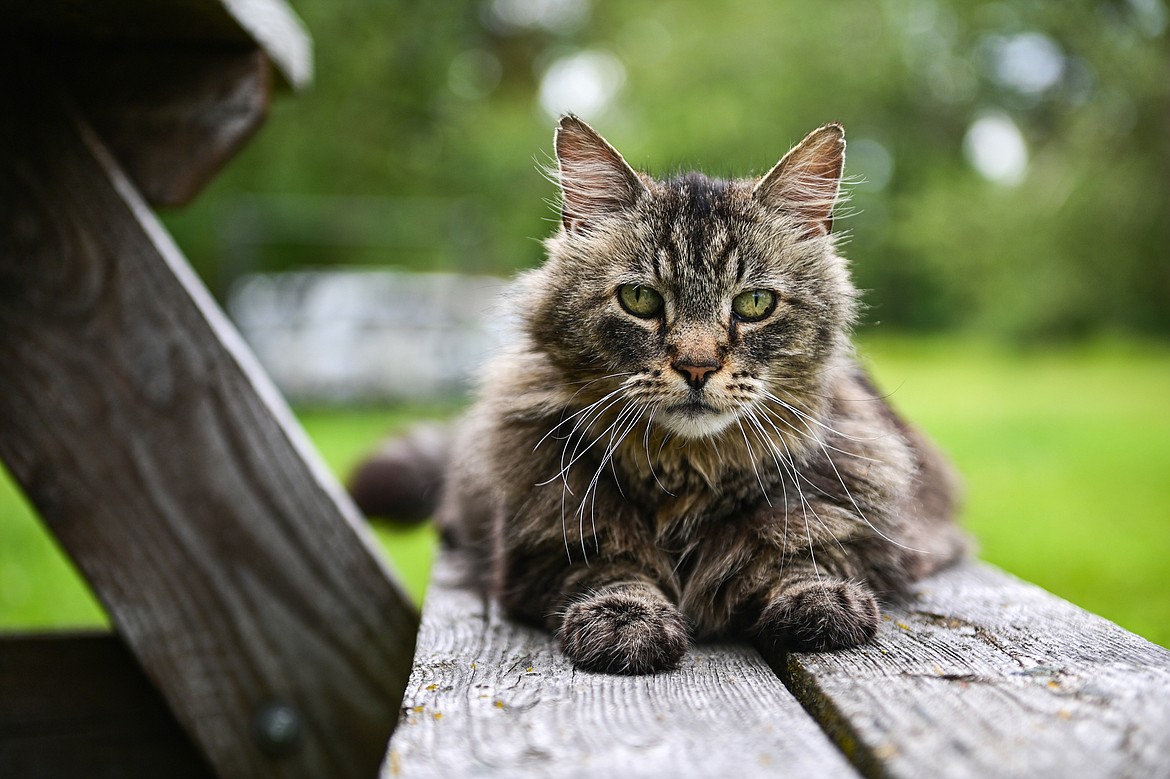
x,y
1013,158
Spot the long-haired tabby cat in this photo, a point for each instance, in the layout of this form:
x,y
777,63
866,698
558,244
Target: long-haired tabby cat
x,y
682,444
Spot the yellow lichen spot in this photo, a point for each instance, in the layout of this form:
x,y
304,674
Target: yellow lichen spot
x,y
1054,685
1064,714
418,709
438,715
473,665
902,625
432,687
528,669
498,704
395,763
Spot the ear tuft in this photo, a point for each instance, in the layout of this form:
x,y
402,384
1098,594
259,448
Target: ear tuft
x,y
807,181
595,180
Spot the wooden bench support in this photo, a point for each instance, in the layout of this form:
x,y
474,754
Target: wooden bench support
x,y
77,704
166,465
978,675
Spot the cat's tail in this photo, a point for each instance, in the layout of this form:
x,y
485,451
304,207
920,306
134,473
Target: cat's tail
x,y
402,479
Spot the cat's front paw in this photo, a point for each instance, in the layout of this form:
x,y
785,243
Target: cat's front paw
x,y
821,615
624,628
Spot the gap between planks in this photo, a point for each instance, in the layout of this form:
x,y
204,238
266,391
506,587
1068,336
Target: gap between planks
x,y
489,696
977,674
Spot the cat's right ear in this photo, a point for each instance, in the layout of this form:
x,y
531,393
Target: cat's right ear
x,y
595,180
806,183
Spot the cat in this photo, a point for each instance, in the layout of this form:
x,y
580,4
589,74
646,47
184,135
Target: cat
x,y
682,445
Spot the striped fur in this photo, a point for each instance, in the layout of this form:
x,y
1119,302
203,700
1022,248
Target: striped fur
x,y
630,481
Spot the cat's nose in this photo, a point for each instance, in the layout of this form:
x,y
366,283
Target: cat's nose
x,y
696,372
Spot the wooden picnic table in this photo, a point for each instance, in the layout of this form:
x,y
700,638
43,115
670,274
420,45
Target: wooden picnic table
x,y
977,675
257,630
258,633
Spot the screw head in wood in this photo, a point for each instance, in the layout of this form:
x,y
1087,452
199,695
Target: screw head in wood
x,y
277,728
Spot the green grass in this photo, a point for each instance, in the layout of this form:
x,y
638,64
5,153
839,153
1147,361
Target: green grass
x,y
1065,453
1066,458
40,589
343,438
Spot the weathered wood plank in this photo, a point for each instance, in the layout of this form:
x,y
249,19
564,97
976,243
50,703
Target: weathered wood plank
x,y
79,705
982,675
172,117
491,697
161,458
271,24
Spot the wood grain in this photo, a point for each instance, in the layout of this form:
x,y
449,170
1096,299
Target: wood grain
x,y
491,697
79,705
982,675
168,467
173,117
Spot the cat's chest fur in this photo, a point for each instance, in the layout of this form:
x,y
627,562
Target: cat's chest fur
x,y
679,484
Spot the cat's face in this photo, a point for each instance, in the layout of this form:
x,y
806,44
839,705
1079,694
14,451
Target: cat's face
x,y
697,303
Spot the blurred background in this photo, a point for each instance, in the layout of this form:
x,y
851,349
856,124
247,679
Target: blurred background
x,y
1009,221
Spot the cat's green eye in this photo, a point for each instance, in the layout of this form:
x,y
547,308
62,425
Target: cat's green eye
x,y
754,305
639,300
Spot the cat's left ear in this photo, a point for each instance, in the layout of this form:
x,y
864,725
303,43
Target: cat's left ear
x,y
806,182
595,180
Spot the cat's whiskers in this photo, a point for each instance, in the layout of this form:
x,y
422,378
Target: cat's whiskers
x,y
581,430
805,506
807,432
811,435
625,421
565,420
750,414
792,406
565,473
649,462
857,508
752,455
797,477
825,447
582,425
584,383
798,387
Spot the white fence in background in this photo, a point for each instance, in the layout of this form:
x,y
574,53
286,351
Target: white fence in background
x,y
341,336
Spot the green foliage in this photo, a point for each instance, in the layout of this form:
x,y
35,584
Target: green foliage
x,y
432,110
1064,453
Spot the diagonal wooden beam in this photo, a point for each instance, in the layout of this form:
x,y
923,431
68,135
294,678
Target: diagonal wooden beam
x,y
161,458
